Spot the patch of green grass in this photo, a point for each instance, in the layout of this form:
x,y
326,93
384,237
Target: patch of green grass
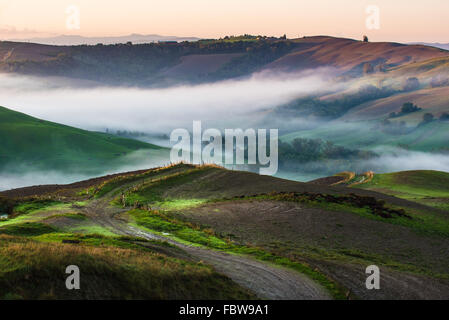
x,y
64,148
412,185
152,192
19,219
34,205
92,239
120,181
157,221
176,204
32,212
27,229
90,229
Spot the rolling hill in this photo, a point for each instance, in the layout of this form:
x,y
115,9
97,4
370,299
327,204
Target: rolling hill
x,y
31,144
187,224
74,40
347,55
427,187
168,63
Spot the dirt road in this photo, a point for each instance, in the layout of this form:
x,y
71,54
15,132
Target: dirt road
x,y
266,281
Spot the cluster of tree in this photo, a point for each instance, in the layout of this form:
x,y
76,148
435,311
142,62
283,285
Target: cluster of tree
x,y
6,205
334,108
429,117
250,37
303,150
141,63
444,116
132,134
406,108
258,54
395,127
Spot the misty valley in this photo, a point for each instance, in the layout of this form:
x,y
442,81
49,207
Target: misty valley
x,y
239,168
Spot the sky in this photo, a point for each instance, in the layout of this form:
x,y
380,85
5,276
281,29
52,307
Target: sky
x,y
398,20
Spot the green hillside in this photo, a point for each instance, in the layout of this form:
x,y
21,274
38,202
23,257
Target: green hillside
x,y
427,187
39,144
366,135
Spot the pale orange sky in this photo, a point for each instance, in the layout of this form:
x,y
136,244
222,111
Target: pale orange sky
x,y
400,20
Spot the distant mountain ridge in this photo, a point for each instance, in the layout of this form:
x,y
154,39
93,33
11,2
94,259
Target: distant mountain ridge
x,y
444,46
166,63
74,40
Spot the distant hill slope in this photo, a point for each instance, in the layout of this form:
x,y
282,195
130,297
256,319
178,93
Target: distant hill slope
x,y
423,186
351,55
444,46
74,40
166,63
27,142
434,100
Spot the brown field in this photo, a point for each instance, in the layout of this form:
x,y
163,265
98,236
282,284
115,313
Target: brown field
x,y
345,54
434,100
329,239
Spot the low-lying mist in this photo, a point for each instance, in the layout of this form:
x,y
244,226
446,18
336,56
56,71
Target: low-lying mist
x,y
240,103
389,160
223,104
22,176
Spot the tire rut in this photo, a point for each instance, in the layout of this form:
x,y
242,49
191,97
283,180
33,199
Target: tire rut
x,y
265,280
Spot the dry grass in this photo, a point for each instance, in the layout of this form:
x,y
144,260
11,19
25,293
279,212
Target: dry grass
x,y
34,270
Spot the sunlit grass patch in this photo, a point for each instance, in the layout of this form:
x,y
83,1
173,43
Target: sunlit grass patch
x,y
156,221
35,205
90,228
74,216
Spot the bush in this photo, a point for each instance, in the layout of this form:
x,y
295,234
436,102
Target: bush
x,y
427,117
444,116
406,108
409,107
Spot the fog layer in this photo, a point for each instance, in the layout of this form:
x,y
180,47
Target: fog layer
x,y
221,104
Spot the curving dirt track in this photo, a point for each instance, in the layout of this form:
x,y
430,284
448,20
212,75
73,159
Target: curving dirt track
x,y
265,280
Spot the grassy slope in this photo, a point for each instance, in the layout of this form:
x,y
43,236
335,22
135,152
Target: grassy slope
x,y
428,187
33,258
213,207
46,145
364,135
203,187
